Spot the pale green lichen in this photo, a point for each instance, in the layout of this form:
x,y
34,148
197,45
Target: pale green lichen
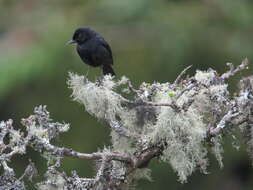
x,y
53,182
217,149
180,133
122,144
38,131
101,101
15,138
143,173
205,77
183,135
98,100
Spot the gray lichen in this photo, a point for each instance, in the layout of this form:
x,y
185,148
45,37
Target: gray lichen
x,y
177,123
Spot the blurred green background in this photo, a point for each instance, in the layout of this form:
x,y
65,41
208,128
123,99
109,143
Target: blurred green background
x,y
151,41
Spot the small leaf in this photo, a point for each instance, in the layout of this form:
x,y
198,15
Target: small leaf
x,y
171,94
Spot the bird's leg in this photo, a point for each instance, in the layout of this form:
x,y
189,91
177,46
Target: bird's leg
x,y
100,78
102,74
86,75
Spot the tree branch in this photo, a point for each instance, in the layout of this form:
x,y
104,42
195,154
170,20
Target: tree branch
x,y
232,71
175,136
182,74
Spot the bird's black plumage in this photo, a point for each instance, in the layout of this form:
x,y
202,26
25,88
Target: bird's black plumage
x,y
93,49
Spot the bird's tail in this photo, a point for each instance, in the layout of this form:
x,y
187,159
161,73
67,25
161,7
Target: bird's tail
x,y
107,69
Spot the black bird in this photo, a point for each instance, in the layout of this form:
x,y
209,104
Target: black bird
x,y
93,49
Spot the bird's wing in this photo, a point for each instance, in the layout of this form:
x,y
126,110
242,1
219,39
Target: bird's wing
x,y
107,47
84,54
103,54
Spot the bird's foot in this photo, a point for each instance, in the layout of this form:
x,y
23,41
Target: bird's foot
x,y
86,75
99,80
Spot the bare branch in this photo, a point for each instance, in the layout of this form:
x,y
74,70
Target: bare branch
x,y
91,156
181,74
143,159
232,71
222,124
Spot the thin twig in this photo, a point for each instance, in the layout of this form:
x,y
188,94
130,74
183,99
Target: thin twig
x,y
92,156
132,88
221,125
232,71
181,74
188,88
147,103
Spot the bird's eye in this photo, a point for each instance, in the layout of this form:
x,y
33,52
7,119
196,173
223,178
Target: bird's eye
x,y
80,36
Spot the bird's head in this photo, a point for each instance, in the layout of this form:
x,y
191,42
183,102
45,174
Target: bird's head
x,y
81,35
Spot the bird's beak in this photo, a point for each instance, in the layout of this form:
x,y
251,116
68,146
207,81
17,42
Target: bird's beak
x,y
71,42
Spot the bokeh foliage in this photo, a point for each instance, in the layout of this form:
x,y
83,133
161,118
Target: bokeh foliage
x,y
151,41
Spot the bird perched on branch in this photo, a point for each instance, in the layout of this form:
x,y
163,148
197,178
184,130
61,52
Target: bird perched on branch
x,y
93,49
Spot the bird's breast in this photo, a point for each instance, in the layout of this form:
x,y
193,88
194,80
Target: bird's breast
x,y
87,53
